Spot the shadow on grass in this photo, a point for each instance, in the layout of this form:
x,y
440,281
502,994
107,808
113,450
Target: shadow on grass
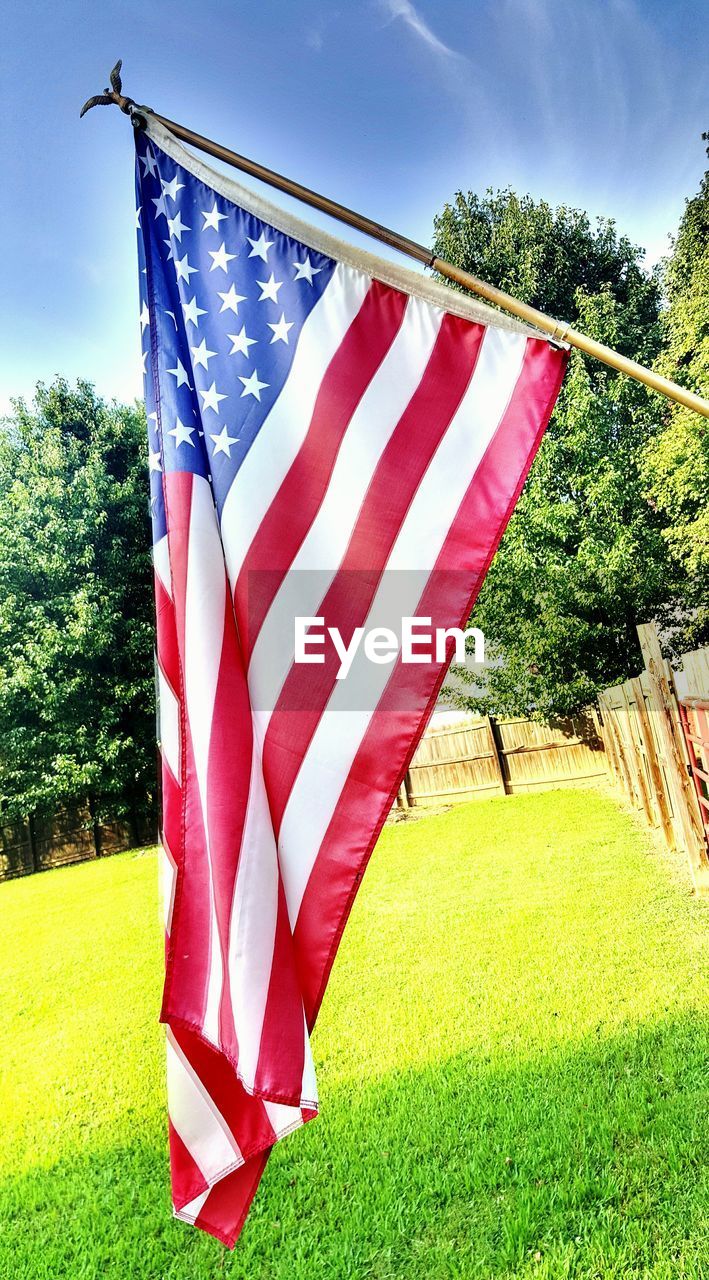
x,y
582,1164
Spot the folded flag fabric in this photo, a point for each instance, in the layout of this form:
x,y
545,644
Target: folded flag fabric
x,y
330,437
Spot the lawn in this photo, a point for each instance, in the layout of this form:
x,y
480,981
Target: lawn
x,y
512,1060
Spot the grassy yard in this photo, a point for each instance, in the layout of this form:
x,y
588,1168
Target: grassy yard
x,y
512,1064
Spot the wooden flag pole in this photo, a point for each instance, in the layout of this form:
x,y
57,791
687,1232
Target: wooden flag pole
x,y
558,331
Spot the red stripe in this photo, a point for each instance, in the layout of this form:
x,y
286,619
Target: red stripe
x,y
393,734
166,635
228,778
398,474
187,966
187,1178
224,1211
169,662
295,505
283,1031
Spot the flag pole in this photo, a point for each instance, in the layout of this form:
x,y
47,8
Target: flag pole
x,y
557,331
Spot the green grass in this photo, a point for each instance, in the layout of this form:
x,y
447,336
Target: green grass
x,y
512,1065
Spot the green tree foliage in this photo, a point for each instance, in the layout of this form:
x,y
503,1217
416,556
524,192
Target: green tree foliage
x,y
676,462
76,667
584,558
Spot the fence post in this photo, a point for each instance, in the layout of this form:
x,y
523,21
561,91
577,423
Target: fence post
x,y
642,789
496,752
96,826
656,778
33,842
402,800
606,735
409,789
668,727
614,739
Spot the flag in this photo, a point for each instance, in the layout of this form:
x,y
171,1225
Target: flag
x,y
336,440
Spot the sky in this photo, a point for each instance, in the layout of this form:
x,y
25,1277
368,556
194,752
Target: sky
x,y
389,106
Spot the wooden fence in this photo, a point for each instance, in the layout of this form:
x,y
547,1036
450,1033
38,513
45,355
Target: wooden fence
x,y
651,759
694,713
484,756
651,740
39,843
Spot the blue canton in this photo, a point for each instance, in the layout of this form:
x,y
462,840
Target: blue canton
x,y
223,300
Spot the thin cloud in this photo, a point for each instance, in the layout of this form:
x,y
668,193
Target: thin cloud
x,y
408,13
315,39
318,30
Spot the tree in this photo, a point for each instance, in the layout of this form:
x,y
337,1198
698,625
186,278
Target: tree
x,y
676,462
76,667
583,559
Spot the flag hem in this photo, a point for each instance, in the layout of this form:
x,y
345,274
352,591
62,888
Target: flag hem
x,y
391,273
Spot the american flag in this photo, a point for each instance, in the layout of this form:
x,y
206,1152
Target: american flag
x,y
319,420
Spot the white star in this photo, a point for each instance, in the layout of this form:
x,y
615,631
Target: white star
x,y
182,434
220,257
223,442
252,386
138,212
154,463
144,318
183,269
171,314
231,300
212,217
269,288
280,330
211,398
260,247
192,312
144,356
175,226
241,341
171,188
170,250
305,270
200,354
159,202
181,374
149,163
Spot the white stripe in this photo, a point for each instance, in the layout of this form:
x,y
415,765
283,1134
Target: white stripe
x,y
190,1212
283,432
334,745
283,1119
169,718
253,923
205,595
168,881
196,1118
161,564
325,544
310,1084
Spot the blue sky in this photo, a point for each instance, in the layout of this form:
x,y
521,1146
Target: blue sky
x,y
387,105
